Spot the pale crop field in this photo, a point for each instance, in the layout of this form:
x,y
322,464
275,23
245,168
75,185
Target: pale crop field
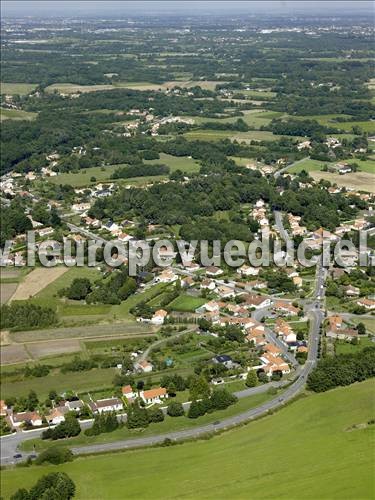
x,y
35,281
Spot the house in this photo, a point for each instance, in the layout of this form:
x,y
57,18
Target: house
x,y
283,329
271,364
26,417
187,281
336,330
143,366
256,285
257,301
75,405
208,284
124,237
81,207
211,306
154,395
297,281
3,408
286,308
272,349
352,291
214,271
368,304
244,323
248,270
167,276
57,415
225,291
106,405
46,231
225,360
128,392
159,317
258,339
166,253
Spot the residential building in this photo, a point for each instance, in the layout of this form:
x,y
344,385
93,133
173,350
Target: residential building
x,y
26,417
159,317
106,405
128,392
154,395
214,271
57,415
143,366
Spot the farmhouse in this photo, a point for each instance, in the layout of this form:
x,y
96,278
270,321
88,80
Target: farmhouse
x,y
75,405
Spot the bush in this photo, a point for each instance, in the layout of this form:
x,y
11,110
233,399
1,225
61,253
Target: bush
x,y
155,415
175,409
137,417
56,485
221,399
342,370
54,455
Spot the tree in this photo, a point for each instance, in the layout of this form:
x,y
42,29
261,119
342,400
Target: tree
x,y
175,409
54,455
137,417
361,328
79,289
155,415
56,485
221,399
197,409
32,401
251,379
199,388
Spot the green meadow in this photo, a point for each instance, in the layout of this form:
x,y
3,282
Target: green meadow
x,y
17,88
307,450
16,114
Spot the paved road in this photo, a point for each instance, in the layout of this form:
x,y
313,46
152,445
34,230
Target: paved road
x,y
313,309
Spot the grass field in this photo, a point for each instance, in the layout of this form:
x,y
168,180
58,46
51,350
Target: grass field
x,y
342,347
186,303
362,181
217,135
83,177
183,163
366,166
305,451
16,114
96,378
17,88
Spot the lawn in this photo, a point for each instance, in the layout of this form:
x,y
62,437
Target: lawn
x,y
343,347
183,163
186,303
83,177
17,88
311,453
97,378
16,114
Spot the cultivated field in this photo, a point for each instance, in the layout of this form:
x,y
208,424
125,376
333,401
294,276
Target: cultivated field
x,y
7,291
234,463
116,330
53,348
362,181
15,353
35,281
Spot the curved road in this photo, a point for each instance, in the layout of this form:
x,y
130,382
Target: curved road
x,y
9,444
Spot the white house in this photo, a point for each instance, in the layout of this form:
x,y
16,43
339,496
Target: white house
x,y
248,271
154,395
128,392
57,415
143,366
106,405
26,417
159,317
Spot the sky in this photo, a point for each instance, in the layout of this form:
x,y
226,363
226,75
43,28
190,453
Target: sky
x,y
154,7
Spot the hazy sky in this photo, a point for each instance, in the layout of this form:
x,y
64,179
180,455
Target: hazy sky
x,y
117,8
